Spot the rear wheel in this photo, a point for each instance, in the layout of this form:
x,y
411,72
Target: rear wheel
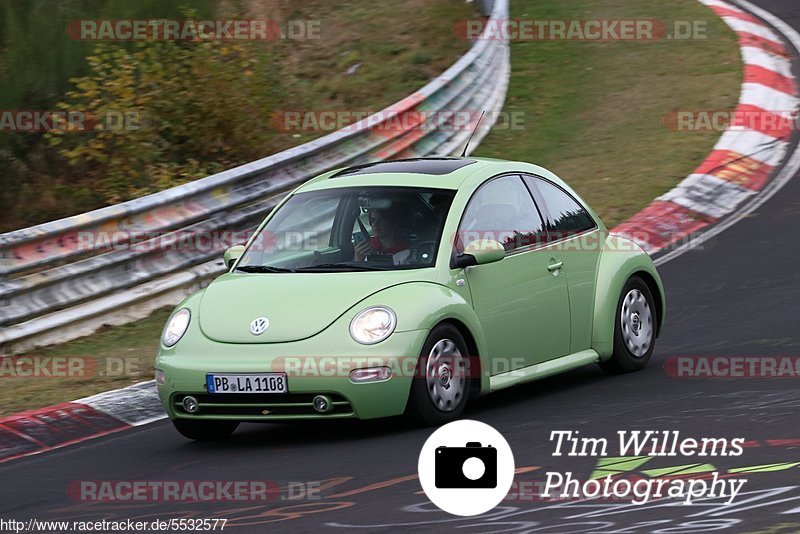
x,y
205,430
440,387
634,329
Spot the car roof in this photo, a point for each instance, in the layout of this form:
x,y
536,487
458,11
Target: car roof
x,y
436,173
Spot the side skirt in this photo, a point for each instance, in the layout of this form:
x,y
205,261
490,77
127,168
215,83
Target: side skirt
x,y
544,369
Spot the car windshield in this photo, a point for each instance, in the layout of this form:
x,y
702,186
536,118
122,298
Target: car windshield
x,y
351,229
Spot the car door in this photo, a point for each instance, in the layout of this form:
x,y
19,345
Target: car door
x,y
576,234
522,300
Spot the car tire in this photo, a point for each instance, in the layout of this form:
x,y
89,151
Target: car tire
x,y
205,430
441,385
635,324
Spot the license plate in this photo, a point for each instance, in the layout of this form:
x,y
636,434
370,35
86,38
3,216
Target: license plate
x,y
249,383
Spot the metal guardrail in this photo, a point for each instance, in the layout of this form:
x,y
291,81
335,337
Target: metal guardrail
x,y
58,281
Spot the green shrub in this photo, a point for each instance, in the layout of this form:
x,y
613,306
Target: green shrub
x,y
196,107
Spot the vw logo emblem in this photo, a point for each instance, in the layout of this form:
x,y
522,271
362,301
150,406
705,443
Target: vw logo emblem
x,y
259,326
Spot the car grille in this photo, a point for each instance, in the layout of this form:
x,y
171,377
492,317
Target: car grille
x,y
254,406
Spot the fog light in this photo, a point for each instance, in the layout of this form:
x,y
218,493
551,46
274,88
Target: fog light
x,y
190,404
370,374
160,377
322,404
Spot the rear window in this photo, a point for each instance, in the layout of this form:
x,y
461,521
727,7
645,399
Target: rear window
x,y
566,216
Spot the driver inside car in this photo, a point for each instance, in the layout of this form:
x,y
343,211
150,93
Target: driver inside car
x,y
387,238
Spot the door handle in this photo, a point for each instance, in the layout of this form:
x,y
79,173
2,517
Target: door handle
x,y
555,266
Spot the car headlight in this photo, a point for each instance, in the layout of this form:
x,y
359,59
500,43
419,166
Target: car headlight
x,y
176,327
373,325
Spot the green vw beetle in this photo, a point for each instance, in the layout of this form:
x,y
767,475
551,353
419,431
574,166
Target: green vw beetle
x,y
407,287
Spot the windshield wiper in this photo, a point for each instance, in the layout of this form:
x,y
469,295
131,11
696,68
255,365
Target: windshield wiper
x,y
341,267
263,269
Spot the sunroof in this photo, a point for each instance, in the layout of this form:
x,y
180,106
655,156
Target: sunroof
x,y
435,166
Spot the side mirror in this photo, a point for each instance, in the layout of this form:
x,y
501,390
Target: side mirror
x,y
481,252
233,254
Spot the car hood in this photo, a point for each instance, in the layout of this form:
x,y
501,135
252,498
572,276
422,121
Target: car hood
x,y
297,305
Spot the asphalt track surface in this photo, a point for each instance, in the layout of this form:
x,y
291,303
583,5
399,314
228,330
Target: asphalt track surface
x,y
738,296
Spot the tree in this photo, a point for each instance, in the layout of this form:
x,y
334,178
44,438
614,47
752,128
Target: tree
x,y
168,112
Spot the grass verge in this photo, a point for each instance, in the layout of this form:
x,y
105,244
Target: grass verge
x,y
594,111
113,357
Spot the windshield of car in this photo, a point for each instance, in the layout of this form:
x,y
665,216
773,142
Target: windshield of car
x,y
351,229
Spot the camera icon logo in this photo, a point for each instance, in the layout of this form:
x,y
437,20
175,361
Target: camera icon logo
x,y
472,466
466,468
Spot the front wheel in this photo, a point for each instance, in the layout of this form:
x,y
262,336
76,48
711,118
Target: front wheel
x,y
634,329
200,430
440,387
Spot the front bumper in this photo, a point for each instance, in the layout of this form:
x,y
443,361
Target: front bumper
x,y
311,367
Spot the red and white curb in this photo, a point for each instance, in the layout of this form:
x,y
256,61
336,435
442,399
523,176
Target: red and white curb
x,y
37,431
738,169
743,159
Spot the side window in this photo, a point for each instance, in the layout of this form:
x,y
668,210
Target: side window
x,y
503,210
567,217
